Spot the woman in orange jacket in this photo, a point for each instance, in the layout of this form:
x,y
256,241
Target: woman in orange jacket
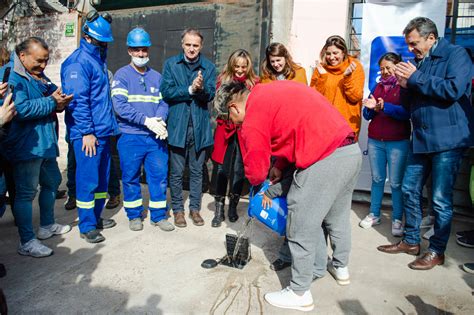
x,y
340,78
278,65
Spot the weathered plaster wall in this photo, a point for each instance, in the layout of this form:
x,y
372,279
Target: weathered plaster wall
x,y
52,28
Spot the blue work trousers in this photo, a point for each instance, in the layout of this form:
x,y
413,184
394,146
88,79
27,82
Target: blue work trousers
x,y
92,174
135,151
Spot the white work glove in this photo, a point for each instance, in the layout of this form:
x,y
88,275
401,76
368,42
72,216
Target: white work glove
x,y
158,126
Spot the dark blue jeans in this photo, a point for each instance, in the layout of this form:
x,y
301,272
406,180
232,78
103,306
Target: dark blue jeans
x,y
27,175
443,167
114,182
177,160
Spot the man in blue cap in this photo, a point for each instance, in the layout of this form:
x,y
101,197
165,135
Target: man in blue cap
x,y
90,122
141,116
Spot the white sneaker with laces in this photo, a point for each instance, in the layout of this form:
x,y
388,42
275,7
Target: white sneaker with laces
x,y
55,229
397,228
340,274
369,221
34,248
429,233
287,298
427,222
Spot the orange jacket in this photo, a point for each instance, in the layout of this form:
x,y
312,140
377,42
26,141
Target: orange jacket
x,y
300,76
345,93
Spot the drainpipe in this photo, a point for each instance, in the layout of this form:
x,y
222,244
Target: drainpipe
x,y
282,16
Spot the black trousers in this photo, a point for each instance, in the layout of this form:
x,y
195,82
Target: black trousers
x,y
231,169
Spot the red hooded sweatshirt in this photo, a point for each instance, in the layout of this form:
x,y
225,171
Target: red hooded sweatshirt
x,y
291,122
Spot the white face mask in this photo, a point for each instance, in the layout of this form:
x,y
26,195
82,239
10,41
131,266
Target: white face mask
x,y
140,62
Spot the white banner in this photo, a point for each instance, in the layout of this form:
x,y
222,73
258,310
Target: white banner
x,y
382,26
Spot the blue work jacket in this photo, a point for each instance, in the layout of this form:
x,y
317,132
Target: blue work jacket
x,y
84,74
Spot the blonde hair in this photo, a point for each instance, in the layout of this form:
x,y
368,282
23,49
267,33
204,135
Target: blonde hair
x,y
227,75
278,50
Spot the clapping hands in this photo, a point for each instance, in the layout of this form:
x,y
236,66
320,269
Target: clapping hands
x,y
372,103
198,83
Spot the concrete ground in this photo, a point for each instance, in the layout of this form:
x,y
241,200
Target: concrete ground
x,y
159,272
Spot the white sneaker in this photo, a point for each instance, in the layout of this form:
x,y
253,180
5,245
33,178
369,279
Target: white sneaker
x,y
34,248
286,298
429,233
397,228
340,274
369,221
55,229
427,222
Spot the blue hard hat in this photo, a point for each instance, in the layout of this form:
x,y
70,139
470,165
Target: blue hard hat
x,y
138,37
98,28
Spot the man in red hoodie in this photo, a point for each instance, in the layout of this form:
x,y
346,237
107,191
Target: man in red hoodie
x,y
297,125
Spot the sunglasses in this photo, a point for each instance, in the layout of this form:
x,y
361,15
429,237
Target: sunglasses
x,y
142,83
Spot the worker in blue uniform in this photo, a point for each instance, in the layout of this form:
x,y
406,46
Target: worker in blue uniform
x,y
141,114
90,122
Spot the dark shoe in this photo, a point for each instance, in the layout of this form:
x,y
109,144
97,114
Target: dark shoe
x,y
468,267
219,213
196,217
60,194
113,202
400,247
465,234
468,234
93,236
106,224
466,241
70,203
233,202
179,219
279,264
427,261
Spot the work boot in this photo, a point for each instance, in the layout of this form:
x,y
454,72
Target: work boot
x,y
113,202
135,224
179,219
93,236
70,204
196,217
219,213
60,194
233,202
105,224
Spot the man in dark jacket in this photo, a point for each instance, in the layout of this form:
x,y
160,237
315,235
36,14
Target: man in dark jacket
x,y
439,91
32,146
189,82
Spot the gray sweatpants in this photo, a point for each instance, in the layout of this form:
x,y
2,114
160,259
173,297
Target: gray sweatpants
x,y
321,192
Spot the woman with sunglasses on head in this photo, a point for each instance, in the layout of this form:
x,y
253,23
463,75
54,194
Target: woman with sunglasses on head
x,y
279,65
389,138
340,78
227,143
